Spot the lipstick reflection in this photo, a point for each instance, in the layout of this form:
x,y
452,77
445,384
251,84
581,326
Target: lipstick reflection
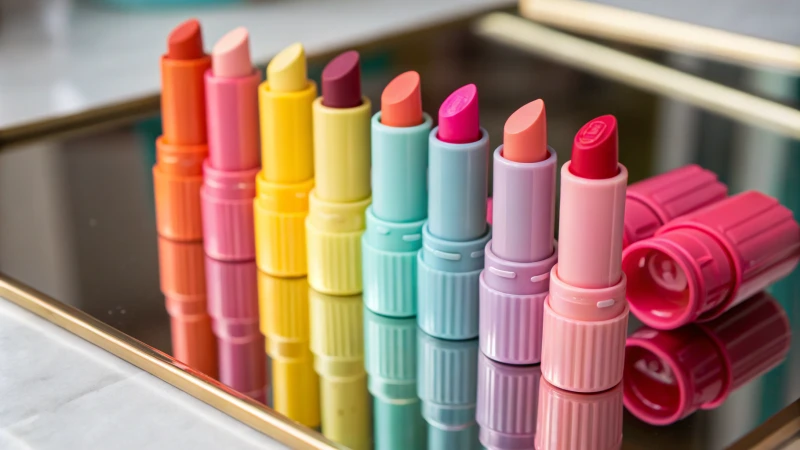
x,y
448,390
671,374
233,306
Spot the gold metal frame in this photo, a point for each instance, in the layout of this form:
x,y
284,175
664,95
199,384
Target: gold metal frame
x,y
638,72
652,31
164,367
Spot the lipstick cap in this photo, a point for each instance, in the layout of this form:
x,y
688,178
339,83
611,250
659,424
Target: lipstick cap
x,y
177,177
671,374
448,277
447,387
333,240
295,388
400,168
228,213
651,203
193,341
391,362
584,354
698,266
508,399
181,268
512,297
572,421
283,306
280,233
390,265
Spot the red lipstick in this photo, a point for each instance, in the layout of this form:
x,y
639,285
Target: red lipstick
x,y
401,101
185,42
594,151
341,81
459,120
525,134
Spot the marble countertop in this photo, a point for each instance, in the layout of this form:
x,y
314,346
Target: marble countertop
x,y
63,58
61,392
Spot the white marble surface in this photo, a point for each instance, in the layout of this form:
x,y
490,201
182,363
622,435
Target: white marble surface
x,y
61,58
60,392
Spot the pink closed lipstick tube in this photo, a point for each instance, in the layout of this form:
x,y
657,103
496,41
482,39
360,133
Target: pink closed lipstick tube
x,y
655,201
227,210
585,314
518,259
702,264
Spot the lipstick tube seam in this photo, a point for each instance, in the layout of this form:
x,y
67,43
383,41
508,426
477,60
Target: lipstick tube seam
x,y
228,226
337,342
449,269
512,294
393,238
584,329
447,386
177,178
508,398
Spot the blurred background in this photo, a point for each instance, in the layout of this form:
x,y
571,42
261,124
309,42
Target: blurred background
x,y
79,116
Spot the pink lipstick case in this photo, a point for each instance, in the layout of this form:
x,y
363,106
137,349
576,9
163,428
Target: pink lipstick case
x,y
671,374
698,266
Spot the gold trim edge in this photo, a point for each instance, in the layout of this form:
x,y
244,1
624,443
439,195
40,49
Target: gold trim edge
x,y
164,367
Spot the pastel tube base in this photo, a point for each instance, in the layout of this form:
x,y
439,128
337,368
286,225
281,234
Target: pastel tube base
x,y
391,362
512,293
447,387
508,398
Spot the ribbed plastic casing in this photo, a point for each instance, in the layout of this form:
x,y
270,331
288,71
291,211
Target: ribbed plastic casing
x,y
333,239
177,177
571,421
447,386
391,362
584,355
508,398
280,212
448,279
227,199
390,265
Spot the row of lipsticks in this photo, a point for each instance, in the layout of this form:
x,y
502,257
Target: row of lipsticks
x,y
397,208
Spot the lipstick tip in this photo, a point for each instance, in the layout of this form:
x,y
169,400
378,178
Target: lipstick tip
x,y
185,42
595,152
401,101
287,70
231,54
341,81
459,118
525,134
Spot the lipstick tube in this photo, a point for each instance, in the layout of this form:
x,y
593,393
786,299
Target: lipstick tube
x,y
514,284
391,362
671,374
233,306
338,347
508,399
287,177
698,266
341,195
395,219
571,421
447,387
283,303
453,238
584,327
177,177
651,203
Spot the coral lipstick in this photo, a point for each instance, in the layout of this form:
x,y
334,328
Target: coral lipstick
x,y
514,283
177,177
227,206
456,233
585,315
401,101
